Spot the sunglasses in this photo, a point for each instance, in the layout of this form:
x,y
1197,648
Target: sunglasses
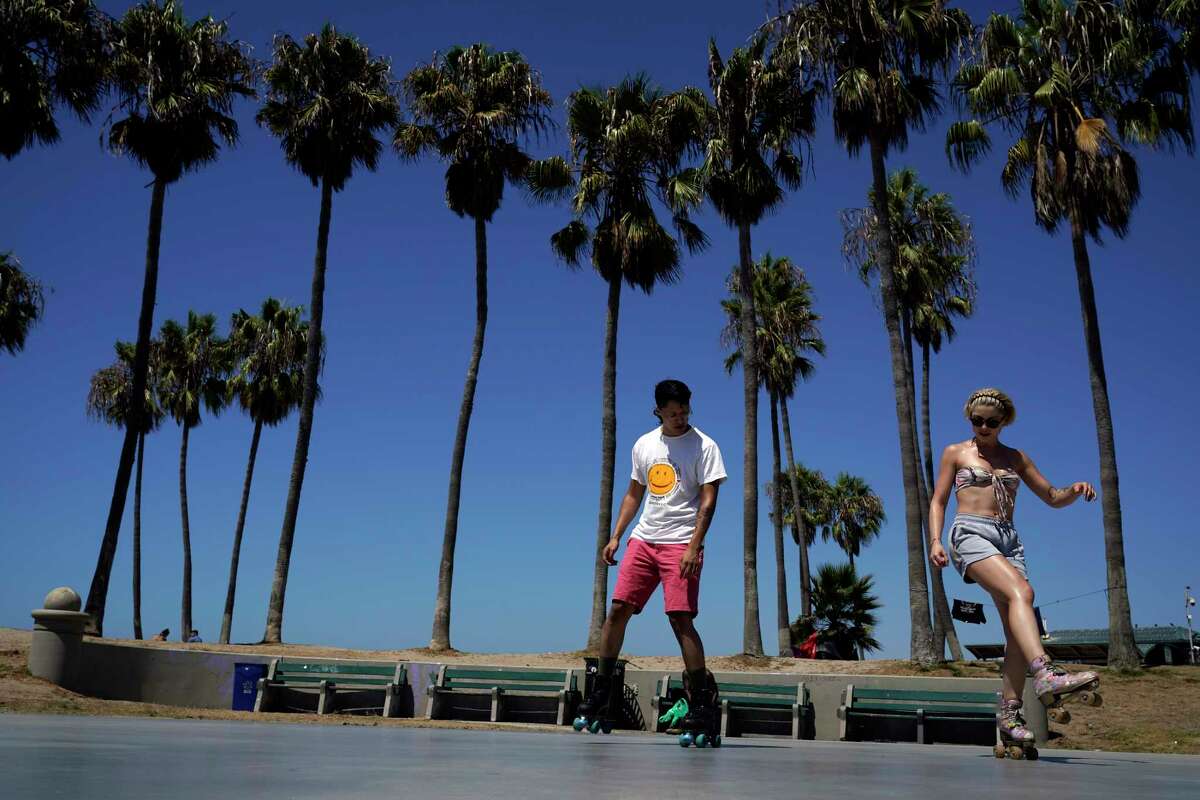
x,y
990,422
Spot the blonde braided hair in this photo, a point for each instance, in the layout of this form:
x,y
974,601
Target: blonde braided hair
x,y
992,398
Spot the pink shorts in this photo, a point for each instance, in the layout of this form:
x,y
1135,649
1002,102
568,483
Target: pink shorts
x,y
645,565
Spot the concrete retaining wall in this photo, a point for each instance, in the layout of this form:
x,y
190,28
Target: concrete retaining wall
x,y
200,679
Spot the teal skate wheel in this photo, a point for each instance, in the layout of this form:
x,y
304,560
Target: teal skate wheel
x,y
579,724
716,740
595,726
685,740
701,740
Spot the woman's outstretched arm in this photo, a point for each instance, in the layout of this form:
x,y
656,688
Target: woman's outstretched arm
x,y
1051,495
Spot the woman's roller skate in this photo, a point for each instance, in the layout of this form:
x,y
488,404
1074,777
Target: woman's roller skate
x,y
595,713
1053,685
702,725
1016,740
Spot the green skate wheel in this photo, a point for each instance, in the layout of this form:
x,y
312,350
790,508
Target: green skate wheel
x,y
579,724
595,726
685,740
716,740
701,740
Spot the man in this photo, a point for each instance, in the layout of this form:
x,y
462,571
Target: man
x,y
682,469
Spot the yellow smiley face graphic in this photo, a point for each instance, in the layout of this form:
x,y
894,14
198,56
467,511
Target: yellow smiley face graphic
x,y
661,479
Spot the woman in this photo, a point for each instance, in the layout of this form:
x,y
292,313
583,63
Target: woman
x,y
985,549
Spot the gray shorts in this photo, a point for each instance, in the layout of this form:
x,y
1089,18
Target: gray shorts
x,y
974,538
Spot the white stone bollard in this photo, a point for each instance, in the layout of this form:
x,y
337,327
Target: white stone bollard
x,y
57,637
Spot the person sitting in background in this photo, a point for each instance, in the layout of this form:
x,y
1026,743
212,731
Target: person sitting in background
x,y
194,636
161,636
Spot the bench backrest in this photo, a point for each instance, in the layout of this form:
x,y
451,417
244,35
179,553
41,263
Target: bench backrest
x,y
314,672
796,693
516,680
913,699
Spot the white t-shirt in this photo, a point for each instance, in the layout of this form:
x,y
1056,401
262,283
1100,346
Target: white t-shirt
x,y
673,468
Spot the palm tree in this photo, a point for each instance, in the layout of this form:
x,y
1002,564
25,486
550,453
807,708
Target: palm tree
x,y
763,114
935,252
786,331
843,607
267,381
327,101
176,83
1185,15
22,301
628,147
472,107
879,59
108,401
856,515
1074,84
814,493
52,52
193,366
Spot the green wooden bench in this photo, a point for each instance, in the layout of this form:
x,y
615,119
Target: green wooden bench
x,y
865,712
780,709
326,678
460,683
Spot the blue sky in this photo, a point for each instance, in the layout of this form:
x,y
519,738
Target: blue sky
x,y
399,315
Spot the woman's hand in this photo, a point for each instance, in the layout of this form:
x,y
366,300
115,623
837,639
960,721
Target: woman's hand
x,y
937,555
1082,489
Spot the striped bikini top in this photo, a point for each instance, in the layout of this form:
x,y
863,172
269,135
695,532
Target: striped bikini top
x,y
1004,484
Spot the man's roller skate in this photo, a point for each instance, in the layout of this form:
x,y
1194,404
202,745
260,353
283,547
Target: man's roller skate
x,y
1054,685
1015,738
702,724
596,713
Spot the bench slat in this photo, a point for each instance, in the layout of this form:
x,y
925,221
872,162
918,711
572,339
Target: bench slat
x,y
454,673
746,688
918,696
514,687
912,709
334,679
344,669
751,702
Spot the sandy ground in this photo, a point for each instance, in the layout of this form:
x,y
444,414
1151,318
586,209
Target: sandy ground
x,y
1154,710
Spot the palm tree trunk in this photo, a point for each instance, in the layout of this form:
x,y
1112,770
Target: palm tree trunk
x,y
939,632
805,588
1122,652
441,609
608,460
781,601
921,635
751,630
312,365
185,617
98,592
227,617
137,540
941,601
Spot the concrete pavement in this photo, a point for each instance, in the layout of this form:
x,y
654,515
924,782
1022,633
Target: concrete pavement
x,y
98,757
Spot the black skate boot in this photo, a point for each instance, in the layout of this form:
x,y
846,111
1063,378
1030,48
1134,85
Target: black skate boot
x,y
595,712
702,725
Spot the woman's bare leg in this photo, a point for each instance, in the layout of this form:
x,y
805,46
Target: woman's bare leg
x,y
1016,665
1014,599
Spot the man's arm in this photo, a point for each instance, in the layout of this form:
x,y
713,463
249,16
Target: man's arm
x,y
629,506
689,564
